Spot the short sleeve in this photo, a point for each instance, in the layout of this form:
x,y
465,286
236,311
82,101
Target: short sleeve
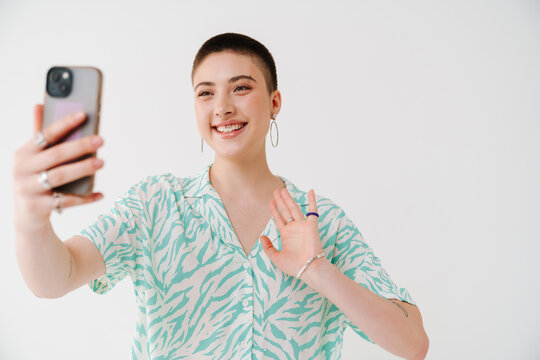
x,y
115,235
356,260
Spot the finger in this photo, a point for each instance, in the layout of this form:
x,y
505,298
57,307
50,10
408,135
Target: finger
x,y
57,130
70,200
38,117
281,204
64,174
269,249
312,204
46,203
62,153
293,206
278,218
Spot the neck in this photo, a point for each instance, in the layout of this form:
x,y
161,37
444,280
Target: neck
x,y
248,175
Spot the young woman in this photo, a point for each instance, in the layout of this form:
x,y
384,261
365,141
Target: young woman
x,y
234,262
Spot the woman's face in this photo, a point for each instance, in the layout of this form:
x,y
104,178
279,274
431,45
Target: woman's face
x,y
230,90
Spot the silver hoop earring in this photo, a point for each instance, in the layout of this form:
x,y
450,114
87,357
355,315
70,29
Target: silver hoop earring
x,y
277,131
201,145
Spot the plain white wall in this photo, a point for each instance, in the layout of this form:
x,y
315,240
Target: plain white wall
x,y
419,118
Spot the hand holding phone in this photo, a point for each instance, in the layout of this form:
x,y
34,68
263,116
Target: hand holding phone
x,y
33,203
68,160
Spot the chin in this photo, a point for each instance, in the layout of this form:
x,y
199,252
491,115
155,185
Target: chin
x,y
235,150
230,152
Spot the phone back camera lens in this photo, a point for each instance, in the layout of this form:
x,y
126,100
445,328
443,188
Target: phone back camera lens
x,y
59,81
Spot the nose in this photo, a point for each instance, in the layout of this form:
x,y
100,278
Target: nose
x,y
223,106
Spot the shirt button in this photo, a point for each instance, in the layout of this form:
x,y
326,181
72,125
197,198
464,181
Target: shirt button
x,y
246,266
244,344
245,303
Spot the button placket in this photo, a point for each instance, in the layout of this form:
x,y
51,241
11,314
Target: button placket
x,y
246,343
248,295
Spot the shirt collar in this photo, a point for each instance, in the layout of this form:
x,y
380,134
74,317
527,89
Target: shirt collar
x,y
204,187
206,202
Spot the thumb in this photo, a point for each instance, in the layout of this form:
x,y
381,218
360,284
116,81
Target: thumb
x,y
268,247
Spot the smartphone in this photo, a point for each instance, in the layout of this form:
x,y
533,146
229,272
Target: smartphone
x,y
69,89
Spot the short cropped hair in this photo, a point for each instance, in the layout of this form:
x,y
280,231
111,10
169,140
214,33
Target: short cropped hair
x,y
243,45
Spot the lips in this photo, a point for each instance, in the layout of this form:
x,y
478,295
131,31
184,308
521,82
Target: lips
x,y
229,122
231,134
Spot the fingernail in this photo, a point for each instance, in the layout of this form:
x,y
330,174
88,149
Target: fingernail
x,y
97,140
79,114
98,162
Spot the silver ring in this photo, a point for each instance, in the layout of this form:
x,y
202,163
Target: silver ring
x,y
40,140
44,180
58,202
290,219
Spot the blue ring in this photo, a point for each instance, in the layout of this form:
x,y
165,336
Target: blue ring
x,y
312,213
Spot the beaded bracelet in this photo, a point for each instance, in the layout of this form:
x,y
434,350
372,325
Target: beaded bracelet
x,y
318,256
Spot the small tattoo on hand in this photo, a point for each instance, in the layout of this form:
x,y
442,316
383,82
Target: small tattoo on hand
x,y
70,266
402,308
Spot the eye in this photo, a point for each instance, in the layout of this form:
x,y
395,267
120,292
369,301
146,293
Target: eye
x,y
204,93
242,87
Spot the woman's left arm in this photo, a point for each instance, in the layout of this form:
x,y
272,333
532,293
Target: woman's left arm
x,y
394,325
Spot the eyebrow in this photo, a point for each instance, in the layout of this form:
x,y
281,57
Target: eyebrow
x,y
231,80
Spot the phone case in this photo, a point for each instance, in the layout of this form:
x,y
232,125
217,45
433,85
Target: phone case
x,y
85,95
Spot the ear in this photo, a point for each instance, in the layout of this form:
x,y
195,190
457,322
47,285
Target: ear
x,y
275,102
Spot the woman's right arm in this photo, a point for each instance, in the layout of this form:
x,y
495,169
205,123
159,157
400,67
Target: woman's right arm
x,y
52,268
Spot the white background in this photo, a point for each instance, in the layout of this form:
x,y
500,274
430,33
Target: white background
x,y
419,118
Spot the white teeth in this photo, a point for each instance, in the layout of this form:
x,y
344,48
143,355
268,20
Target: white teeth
x,y
229,128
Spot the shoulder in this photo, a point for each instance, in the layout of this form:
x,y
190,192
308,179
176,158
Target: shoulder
x,y
152,183
159,186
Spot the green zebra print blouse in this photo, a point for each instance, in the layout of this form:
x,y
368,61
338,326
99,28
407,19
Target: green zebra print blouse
x,y
200,297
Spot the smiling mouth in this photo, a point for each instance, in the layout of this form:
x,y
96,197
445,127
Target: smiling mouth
x,y
229,129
